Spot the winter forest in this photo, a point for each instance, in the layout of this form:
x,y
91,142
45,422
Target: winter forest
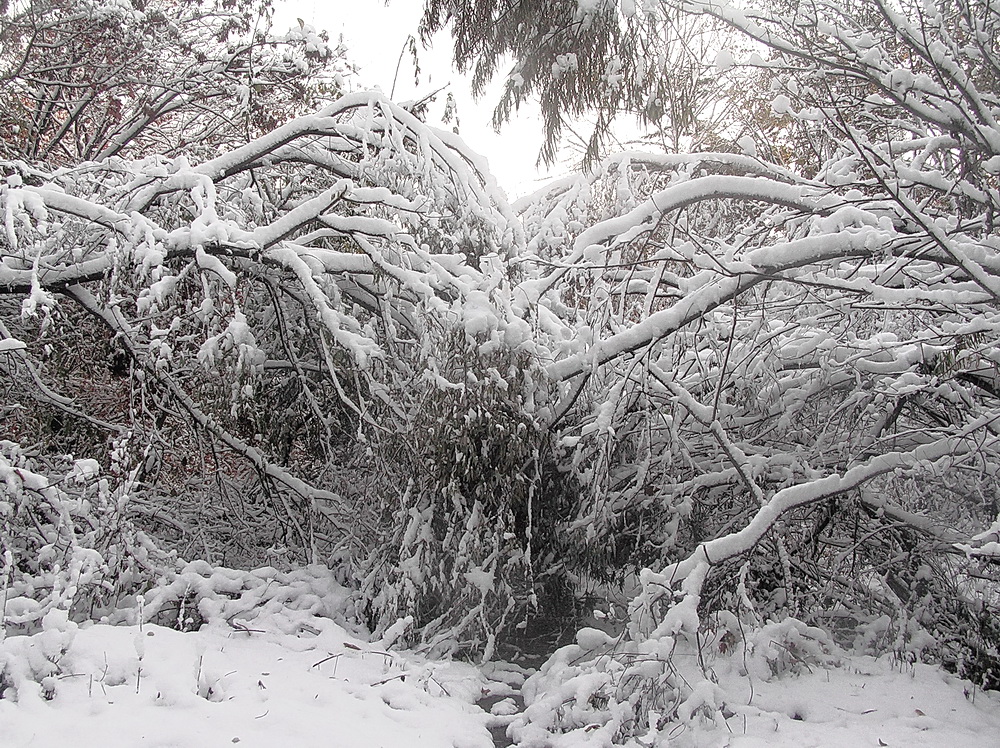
x,y
649,457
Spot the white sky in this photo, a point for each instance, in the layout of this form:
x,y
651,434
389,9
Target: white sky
x,y
376,34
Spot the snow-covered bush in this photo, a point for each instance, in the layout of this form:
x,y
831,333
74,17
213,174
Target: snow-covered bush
x,y
68,546
475,546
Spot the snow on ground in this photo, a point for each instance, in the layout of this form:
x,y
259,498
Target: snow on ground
x,y
220,686
314,684
864,702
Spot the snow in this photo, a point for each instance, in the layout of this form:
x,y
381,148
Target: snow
x,y
8,345
223,685
785,686
480,578
781,104
862,702
280,663
747,145
591,638
729,546
262,682
724,60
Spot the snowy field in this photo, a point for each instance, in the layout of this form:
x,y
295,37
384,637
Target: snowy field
x,y
296,679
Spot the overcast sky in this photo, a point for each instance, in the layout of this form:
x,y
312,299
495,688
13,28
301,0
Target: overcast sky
x,y
376,34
